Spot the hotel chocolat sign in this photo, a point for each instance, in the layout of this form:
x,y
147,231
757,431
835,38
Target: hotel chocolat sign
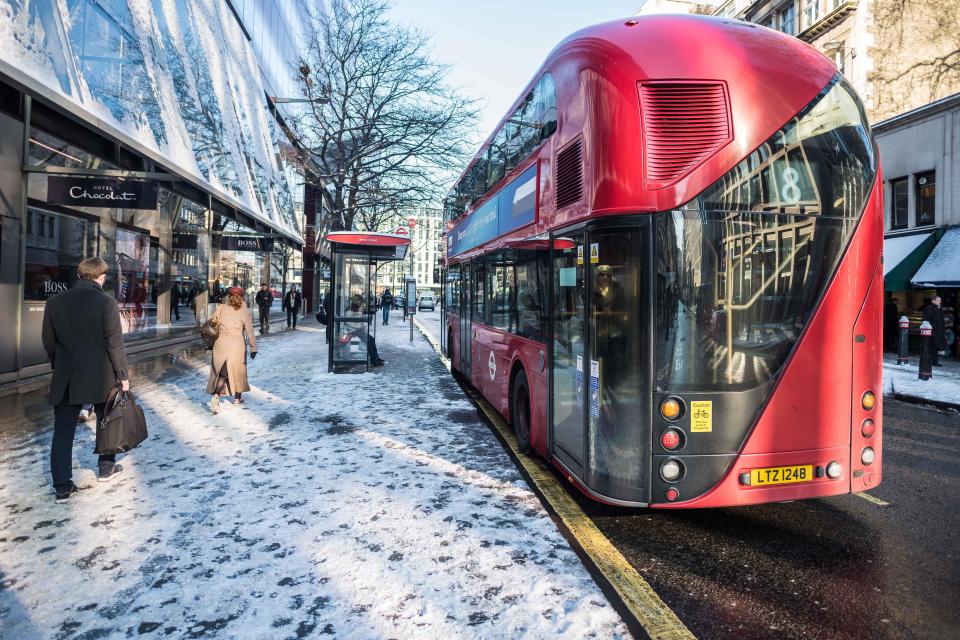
x,y
101,192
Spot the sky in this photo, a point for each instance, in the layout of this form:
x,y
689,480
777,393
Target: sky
x,y
495,46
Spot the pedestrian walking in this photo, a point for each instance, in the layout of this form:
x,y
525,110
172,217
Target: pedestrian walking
x,y
228,366
264,302
933,314
292,302
386,301
84,342
174,302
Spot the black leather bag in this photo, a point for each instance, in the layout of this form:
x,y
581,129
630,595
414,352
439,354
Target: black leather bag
x,y
123,426
209,332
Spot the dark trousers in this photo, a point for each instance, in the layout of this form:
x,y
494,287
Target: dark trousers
x,y
264,318
61,451
292,316
175,311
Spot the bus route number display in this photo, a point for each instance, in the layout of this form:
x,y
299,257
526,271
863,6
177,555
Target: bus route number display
x,y
701,416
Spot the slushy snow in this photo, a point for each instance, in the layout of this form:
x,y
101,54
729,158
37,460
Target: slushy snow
x,y
355,506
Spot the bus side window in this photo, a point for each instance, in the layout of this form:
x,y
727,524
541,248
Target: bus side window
x,y
502,299
529,307
479,294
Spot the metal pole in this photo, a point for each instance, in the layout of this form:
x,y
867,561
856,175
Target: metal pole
x,y
903,353
406,298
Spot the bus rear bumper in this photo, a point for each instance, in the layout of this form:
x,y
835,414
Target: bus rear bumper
x,y
736,487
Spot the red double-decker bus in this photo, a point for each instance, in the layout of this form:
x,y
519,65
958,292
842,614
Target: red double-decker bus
x,y
664,267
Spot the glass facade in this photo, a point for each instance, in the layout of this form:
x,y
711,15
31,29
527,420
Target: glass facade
x,y
179,79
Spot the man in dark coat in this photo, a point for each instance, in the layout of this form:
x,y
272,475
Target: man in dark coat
x,y
84,341
386,301
175,301
933,314
264,302
292,302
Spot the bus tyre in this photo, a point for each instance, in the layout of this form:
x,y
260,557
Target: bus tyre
x,y
520,411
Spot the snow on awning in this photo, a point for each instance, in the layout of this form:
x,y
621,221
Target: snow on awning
x,y
942,266
902,256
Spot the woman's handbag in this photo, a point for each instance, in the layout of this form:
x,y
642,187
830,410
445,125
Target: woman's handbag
x,y
209,332
123,426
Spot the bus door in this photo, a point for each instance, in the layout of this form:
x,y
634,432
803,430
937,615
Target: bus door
x,y
466,298
570,375
601,381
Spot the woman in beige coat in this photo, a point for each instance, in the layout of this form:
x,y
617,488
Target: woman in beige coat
x,y
228,370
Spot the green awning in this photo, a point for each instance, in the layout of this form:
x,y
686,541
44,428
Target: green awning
x,y
903,255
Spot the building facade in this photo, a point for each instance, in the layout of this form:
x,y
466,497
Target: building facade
x,y
139,131
920,150
426,247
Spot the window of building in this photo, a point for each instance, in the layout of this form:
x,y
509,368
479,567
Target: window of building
x,y
787,18
898,203
811,12
926,196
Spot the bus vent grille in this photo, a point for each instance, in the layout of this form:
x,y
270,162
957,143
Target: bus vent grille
x,y
569,174
684,123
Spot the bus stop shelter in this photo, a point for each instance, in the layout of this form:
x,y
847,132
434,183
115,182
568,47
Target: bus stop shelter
x,y
355,258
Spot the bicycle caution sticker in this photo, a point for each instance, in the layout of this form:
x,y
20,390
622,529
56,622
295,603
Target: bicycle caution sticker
x,y
701,416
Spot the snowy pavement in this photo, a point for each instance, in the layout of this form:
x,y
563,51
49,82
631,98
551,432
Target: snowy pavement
x,y
902,381
351,506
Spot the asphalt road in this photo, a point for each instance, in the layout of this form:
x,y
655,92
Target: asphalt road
x,y
833,568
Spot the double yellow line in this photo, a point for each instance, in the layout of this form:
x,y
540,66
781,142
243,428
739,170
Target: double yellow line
x,y
637,597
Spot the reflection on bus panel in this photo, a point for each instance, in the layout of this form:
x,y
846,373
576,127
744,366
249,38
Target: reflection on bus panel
x,y
663,268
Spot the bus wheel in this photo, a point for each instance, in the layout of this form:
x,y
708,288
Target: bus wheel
x,y
520,411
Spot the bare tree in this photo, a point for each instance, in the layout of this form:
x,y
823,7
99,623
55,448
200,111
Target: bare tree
x,y
916,54
280,258
383,127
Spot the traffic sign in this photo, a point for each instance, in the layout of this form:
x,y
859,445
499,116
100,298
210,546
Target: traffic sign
x,y
402,231
411,222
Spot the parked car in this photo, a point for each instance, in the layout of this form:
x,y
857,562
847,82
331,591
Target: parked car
x,y
426,302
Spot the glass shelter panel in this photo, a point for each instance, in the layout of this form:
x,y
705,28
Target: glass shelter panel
x,y
351,309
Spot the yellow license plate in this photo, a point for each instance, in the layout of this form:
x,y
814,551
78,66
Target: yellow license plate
x,y
781,475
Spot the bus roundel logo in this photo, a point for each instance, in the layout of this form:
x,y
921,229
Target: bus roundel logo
x,y
493,366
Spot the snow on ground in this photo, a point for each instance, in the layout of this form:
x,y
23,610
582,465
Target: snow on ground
x,y
944,386
356,506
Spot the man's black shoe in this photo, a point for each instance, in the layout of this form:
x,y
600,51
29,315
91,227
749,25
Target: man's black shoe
x,y
937,364
379,362
65,494
106,475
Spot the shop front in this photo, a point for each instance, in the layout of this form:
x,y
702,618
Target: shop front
x,y
172,248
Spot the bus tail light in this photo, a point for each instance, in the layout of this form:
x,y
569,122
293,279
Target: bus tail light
x,y
834,470
671,408
869,400
867,456
671,470
868,428
672,494
670,439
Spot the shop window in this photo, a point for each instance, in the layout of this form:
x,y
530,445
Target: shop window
x,y
926,198
55,245
898,203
